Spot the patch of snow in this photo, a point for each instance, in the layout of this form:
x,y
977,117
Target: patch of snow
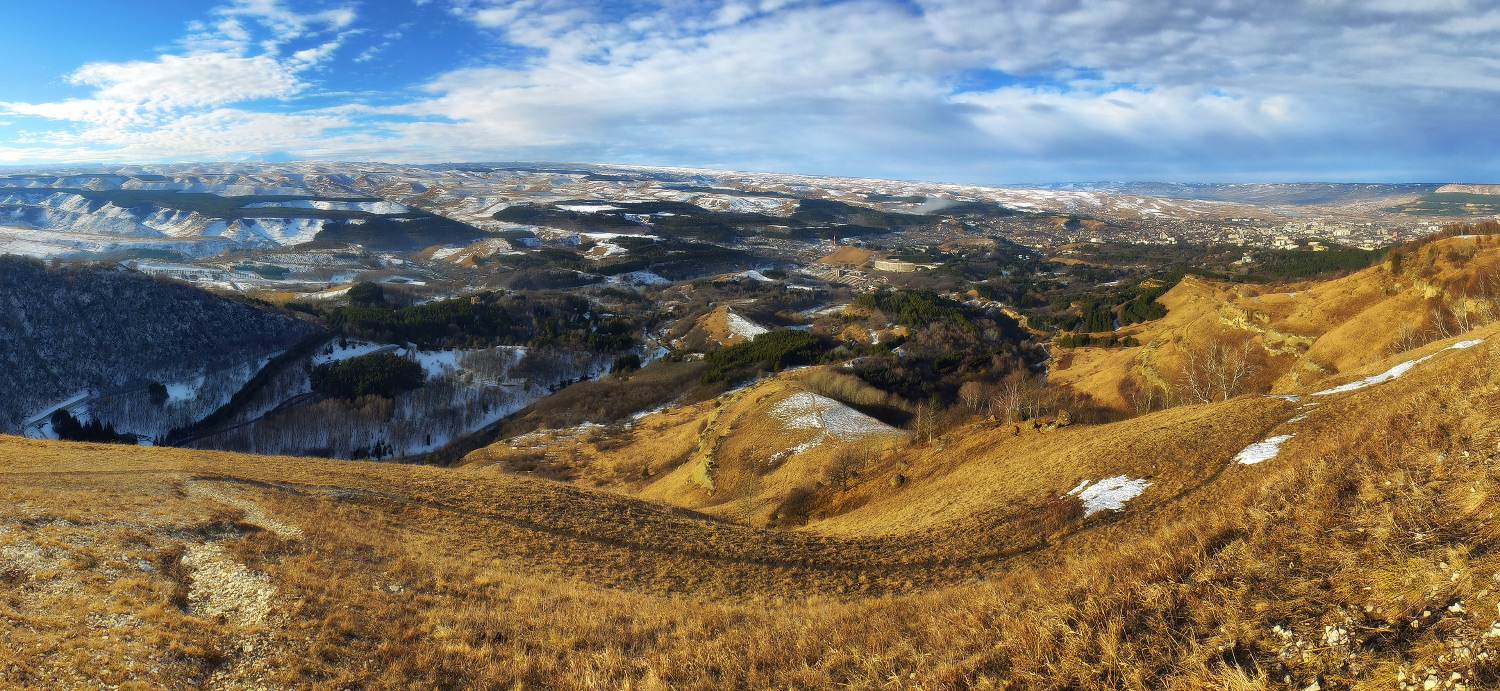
x,y
446,252
764,205
434,362
1110,493
45,414
1284,396
820,311
325,295
1395,371
262,232
1373,379
599,237
589,208
1261,450
605,249
375,207
754,276
636,278
740,326
343,349
184,390
806,410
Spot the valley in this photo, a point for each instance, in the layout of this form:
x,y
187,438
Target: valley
x,y
1351,553
333,426
637,245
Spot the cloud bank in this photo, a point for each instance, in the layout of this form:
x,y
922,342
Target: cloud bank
x,y
938,89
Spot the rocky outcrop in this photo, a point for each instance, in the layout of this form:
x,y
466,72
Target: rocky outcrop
x,y
1275,341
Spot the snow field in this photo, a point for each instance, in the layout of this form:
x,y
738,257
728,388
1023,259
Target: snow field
x,y
638,278
754,276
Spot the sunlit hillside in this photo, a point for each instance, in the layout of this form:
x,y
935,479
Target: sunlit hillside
x,y
1337,535
1296,334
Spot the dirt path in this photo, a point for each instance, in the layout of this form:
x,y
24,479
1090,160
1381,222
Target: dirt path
x,y
254,514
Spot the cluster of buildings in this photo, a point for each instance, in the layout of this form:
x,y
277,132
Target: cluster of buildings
x,y
1243,232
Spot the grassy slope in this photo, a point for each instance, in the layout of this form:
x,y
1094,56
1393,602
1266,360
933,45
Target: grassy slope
x,y
1378,510
1308,330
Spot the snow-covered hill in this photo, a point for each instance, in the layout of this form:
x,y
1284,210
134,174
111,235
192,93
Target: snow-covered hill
x,y
50,201
103,332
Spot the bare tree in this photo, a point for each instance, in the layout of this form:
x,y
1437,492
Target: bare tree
x,y
925,423
748,493
1144,397
1015,399
1484,311
1439,324
1218,372
1460,312
845,466
973,395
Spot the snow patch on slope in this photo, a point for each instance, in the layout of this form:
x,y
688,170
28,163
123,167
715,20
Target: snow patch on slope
x,y
268,231
1395,371
1261,450
1111,493
638,278
805,410
740,326
377,207
754,276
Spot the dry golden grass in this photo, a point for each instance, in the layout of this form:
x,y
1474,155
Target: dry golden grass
x,y
1379,510
1309,330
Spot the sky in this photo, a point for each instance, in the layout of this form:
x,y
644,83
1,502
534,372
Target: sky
x,y
1003,92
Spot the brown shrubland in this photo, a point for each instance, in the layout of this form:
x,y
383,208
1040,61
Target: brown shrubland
x,y
1361,556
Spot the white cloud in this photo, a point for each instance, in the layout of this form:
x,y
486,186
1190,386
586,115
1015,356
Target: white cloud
x,y
286,24
837,86
1096,88
191,80
174,106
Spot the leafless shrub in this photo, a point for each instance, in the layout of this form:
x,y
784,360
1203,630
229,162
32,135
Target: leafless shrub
x,y
1407,338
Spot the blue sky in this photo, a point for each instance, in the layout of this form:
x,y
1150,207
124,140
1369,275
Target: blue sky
x,y
951,90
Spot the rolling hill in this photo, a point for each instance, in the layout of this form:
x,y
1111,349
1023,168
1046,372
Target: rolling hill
x,y
1336,532
1337,535
1300,333
76,334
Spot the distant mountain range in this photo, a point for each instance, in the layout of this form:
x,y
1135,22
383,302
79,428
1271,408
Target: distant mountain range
x,y
198,210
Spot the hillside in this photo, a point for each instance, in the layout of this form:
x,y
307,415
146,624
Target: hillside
x,y
1298,333
104,330
1324,525
1337,537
